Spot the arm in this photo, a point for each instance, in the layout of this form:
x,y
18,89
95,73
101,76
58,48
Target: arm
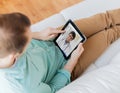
x,y
74,58
46,34
61,79
62,76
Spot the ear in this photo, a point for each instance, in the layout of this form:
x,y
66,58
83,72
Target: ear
x,y
15,55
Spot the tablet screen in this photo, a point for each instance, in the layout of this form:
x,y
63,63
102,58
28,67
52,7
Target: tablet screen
x,y
69,40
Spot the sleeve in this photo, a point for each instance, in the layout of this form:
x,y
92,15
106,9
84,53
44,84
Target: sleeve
x,y
61,79
5,87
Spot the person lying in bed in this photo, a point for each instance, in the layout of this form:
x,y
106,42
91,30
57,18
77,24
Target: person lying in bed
x,y
38,66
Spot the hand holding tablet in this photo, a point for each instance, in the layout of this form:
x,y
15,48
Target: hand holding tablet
x,y
68,41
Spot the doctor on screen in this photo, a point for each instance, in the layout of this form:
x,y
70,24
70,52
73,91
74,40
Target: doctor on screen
x,y
64,43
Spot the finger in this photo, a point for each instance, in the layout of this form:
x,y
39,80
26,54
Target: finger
x,y
53,35
80,47
54,30
58,31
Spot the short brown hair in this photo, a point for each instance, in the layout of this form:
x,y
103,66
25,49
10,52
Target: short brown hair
x,y
12,32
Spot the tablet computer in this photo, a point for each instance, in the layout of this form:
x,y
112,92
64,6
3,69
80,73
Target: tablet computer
x,y
68,41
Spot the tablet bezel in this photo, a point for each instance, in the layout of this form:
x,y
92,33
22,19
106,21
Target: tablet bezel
x,y
79,32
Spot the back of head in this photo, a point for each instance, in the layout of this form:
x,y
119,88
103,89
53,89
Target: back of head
x,y
13,29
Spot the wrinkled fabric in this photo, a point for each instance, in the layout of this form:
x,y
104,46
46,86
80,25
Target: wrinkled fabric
x,y
38,70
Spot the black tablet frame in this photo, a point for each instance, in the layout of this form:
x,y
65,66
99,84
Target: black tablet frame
x,y
78,30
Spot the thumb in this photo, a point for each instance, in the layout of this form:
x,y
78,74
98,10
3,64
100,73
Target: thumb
x,y
53,35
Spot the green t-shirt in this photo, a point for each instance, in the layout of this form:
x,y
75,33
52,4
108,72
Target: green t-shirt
x,y
38,70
